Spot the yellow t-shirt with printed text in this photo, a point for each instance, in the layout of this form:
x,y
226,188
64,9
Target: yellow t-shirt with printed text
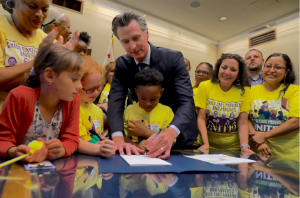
x,y
159,118
91,117
104,94
14,47
222,112
271,114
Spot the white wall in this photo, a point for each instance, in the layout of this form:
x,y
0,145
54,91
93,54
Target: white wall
x,y
287,42
96,20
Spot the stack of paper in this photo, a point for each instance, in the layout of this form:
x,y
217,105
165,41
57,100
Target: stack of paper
x,y
220,159
144,160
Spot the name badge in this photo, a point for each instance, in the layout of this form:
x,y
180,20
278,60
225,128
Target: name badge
x,y
96,124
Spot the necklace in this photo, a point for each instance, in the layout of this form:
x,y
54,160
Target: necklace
x,y
53,125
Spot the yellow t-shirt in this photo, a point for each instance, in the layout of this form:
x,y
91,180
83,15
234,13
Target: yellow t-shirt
x,y
222,112
271,114
159,118
104,94
14,47
91,118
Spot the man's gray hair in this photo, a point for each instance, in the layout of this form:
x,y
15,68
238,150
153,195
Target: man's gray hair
x,y
56,15
122,20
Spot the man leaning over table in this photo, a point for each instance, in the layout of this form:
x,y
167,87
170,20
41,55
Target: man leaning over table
x,y
131,29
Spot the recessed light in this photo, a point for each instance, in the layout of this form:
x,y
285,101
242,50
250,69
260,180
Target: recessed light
x,y
223,19
195,4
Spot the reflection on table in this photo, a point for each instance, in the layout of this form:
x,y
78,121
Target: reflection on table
x,y
80,176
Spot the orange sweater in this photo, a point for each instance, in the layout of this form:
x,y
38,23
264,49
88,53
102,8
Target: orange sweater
x,y
17,114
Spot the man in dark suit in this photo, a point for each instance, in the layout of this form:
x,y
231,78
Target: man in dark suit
x,y
131,29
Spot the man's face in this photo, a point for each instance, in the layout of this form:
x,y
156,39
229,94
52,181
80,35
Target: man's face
x,y
134,40
64,29
253,60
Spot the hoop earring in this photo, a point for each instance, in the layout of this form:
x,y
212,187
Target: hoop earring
x,y
10,4
284,79
218,79
238,82
50,84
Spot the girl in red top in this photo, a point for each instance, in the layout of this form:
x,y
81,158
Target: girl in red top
x,y
46,109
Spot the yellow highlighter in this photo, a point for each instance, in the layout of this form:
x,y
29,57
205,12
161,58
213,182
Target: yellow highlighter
x,y
34,145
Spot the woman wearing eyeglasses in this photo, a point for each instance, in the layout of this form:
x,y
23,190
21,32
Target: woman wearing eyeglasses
x,y
224,103
271,134
202,73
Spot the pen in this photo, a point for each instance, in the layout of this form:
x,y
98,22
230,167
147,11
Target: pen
x,y
158,132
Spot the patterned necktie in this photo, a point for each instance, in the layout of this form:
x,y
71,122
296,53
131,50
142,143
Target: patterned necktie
x,y
142,66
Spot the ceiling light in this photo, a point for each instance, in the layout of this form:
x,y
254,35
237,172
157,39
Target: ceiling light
x,y
223,19
195,4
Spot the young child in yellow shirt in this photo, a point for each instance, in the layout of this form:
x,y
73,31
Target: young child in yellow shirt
x,y
146,117
91,117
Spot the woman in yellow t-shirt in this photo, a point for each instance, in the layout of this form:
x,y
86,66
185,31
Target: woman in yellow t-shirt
x,y
276,134
202,73
20,39
223,104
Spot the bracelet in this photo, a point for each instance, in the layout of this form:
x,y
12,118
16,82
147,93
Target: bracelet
x,y
245,157
247,145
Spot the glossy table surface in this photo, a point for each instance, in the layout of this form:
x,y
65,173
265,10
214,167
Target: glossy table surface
x,y
78,176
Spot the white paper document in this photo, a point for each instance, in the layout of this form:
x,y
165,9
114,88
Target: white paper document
x,y
144,160
220,159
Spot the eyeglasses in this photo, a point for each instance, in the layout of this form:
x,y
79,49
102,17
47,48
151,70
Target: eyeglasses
x,y
203,72
92,90
278,68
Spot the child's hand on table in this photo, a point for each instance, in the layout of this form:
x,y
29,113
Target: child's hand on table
x,y
142,145
37,156
107,147
55,149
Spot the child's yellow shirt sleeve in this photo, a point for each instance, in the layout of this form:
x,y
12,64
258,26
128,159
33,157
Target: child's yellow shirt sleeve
x,y
126,113
84,126
101,121
169,118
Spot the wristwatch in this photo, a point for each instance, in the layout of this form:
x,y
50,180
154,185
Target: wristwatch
x,y
247,145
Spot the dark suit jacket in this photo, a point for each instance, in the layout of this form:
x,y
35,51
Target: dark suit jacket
x,y
178,92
